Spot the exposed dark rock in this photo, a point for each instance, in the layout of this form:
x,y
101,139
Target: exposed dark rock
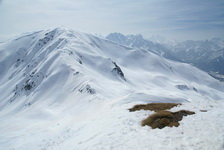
x,y
27,87
118,70
76,73
182,87
87,89
195,89
79,61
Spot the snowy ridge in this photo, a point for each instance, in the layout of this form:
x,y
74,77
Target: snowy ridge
x,y
64,89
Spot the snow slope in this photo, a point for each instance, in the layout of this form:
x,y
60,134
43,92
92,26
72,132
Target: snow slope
x,y
64,89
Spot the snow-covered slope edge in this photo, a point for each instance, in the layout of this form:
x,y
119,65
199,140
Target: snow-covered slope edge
x,y
63,89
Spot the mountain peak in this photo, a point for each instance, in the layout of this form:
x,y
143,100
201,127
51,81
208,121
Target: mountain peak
x,y
137,36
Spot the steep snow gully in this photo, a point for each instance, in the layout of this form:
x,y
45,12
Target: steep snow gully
x,y
64,89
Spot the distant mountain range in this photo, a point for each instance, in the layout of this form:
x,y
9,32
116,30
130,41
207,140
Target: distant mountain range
x,y
137,41
207,55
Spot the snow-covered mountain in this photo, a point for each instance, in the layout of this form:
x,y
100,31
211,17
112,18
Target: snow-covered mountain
x,y
137,41
207,55
64,89
219,41
163,41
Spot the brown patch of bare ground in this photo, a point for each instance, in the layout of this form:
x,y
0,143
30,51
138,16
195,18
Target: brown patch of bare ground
x,y
162,118
154,106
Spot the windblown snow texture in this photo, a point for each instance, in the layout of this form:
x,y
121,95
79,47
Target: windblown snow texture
x,y
64,89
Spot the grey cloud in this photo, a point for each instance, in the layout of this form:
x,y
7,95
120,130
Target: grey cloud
x,y
128,16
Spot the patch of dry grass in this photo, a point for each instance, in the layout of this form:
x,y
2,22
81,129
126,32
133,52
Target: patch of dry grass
x,y
162,118
154,106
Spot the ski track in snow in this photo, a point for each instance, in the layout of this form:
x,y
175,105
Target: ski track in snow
x,y
64,89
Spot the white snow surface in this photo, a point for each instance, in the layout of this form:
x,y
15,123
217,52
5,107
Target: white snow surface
x,y
64,89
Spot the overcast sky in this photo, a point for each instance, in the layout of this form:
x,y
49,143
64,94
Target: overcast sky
x,y
174,19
